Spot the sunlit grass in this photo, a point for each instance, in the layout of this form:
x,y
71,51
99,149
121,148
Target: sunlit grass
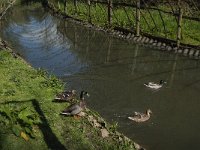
x,y
19,84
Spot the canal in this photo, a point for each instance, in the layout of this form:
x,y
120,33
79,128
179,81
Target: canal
x,y
113,71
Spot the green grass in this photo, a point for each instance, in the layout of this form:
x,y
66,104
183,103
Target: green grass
x,y
20,84
125,17
26,95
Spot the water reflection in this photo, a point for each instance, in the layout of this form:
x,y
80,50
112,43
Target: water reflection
x,y
113,71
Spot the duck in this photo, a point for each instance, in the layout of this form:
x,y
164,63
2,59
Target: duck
x,y
65,96
76,108
153,85
141,117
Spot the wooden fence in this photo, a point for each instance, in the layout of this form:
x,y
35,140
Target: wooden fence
x,y
175,20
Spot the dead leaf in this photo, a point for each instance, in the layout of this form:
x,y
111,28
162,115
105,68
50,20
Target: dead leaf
x,y
104,133
24,136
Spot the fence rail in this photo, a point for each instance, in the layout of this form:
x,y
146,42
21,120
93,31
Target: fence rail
x,y
174,20
116,4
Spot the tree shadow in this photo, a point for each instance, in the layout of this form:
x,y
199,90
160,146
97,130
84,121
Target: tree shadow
x,y
49,137
29,2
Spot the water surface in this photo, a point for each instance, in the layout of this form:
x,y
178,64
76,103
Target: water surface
x,y
113,72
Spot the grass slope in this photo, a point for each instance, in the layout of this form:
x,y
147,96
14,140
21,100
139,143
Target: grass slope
x,y
24,87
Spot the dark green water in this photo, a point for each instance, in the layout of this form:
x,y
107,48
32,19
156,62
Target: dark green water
x,y
113,72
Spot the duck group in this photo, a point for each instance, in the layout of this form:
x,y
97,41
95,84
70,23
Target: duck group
x,y
76,108
142,117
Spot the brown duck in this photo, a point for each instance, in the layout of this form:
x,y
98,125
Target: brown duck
x,y
76,108
65,96
141,117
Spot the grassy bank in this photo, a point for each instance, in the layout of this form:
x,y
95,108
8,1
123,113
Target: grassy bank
x,y
30,120
125,17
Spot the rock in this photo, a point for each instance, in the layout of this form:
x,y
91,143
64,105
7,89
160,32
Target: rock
x,y
118,32
114,33
196,53
135,38
154,44
175,49
120,139
132,36
104,133
147,40
151,41
180,51
163,47
126,139
159,44
185,52
128,36
169,48
96,124
90,118
143,39
191,52
102,122
139,39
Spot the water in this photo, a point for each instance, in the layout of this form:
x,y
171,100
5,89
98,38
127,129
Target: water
x,y
113,72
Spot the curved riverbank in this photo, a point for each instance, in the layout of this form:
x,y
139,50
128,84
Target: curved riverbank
x,y
25,87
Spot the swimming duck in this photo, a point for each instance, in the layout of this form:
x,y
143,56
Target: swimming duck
x,y
65,96
153,85
141,117
76,108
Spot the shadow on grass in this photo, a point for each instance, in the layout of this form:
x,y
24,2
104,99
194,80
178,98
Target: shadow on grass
x,y
29,2
1,142
49,137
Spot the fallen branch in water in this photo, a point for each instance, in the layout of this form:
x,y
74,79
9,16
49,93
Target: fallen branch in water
x,y
4,11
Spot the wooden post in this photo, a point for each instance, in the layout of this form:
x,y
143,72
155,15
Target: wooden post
x,y
75,6
95,3
1,7
180,18
65,6
138,18
89,12
110,13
